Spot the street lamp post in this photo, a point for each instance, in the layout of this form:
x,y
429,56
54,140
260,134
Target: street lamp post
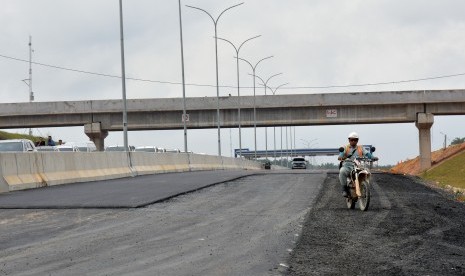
x,y
309,144
254,67
282,146
265,83
273,91
287,150
215,22
123,78
184,116
237,49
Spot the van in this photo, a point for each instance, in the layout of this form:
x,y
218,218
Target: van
x,y
17,145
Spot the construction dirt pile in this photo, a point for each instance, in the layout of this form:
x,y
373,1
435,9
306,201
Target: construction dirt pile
x,y
412,166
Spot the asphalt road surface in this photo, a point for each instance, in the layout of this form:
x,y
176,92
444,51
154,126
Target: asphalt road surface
x,y
129,192
243,227
269,224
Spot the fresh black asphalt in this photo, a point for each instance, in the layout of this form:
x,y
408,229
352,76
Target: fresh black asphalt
x,y
132,192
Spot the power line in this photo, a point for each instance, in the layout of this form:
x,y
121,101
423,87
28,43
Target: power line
x,y
107,75
229,86
376,83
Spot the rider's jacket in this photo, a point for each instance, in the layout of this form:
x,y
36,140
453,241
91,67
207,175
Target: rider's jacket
x,y
358,151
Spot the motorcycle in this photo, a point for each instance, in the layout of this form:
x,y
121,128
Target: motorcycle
x,y
358,182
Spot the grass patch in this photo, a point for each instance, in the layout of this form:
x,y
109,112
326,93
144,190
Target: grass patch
x,y
450,172
6,136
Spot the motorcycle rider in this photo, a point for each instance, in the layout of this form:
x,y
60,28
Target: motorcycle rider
x,y
351,151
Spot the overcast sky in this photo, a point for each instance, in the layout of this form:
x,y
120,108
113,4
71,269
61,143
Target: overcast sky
x,y
314,43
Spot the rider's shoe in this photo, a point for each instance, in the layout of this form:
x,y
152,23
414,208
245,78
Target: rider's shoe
x,y
345,191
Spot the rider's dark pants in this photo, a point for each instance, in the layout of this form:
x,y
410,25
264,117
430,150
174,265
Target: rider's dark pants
x,y
344,172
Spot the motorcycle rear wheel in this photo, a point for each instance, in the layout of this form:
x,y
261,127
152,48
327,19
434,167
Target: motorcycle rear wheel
x,y
364,200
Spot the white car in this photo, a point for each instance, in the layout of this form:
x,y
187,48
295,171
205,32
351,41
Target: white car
x,y
46,148
146,149
87,146
67,148
118,148
17,145
299,163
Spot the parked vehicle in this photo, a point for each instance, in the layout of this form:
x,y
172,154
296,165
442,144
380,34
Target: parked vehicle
x,y
173,150
47,148
299,163
358,182
267,165
161,150
67,148
17,145
118,148
87,146
146,149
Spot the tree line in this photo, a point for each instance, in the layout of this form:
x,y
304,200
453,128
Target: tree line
x,y
457,141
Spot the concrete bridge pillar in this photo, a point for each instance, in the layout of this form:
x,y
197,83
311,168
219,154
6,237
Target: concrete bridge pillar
x,y
424,123
96,134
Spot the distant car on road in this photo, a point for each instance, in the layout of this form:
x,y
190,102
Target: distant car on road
x,y
47,148
173,150
17,145
299,163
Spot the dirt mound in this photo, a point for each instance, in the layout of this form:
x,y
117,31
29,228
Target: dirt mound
x,y
412,166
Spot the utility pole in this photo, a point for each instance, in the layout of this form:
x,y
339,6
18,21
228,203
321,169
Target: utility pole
x,y
28,81
445,139
31,94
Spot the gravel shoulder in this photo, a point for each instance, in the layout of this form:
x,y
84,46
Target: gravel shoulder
x,y
410,229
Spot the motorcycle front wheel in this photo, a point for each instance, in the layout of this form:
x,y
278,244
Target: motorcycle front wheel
x,y
364,200
351,202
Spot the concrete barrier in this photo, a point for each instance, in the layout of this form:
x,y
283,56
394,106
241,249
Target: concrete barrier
x,y
200,162
151,163
70,167
251,165
230,164
19,171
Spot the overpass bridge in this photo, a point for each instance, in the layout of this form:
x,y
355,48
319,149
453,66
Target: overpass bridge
x,y
278,153
247,153
100,116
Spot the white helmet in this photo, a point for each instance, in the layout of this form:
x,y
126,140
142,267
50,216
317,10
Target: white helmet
x,y
353,135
